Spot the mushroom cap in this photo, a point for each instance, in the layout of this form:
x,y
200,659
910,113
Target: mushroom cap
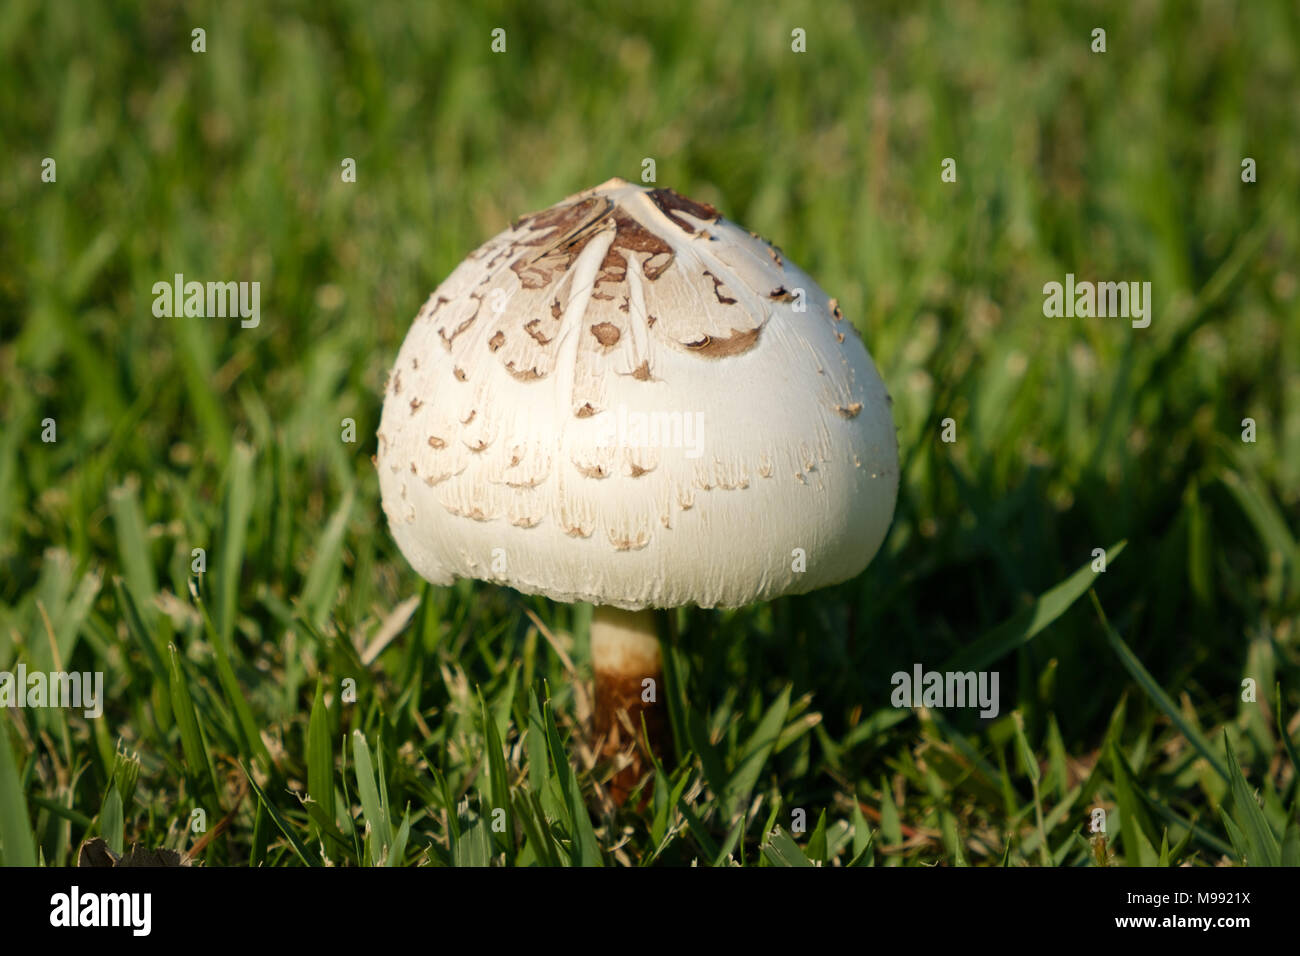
x,y
628,400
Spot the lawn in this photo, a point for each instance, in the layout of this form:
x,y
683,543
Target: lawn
x,y
182,511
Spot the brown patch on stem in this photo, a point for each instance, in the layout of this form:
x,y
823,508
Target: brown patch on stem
x,y
619,695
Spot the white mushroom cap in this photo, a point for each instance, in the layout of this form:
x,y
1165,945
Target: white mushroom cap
x,y
627,399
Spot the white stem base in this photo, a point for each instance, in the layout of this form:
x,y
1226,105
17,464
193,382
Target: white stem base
x,y
624,643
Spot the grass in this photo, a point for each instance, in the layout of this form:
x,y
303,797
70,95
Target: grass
x,y
306,699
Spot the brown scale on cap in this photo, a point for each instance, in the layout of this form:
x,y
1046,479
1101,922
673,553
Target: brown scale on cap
x,y
563,218
448,340
734,344
565,231
524,375
717,289
534,331
670,203
438,303
606,333
631,236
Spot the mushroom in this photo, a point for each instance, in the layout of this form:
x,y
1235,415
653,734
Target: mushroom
x,y
626,399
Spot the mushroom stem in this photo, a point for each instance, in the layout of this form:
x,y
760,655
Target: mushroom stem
x,y
629,684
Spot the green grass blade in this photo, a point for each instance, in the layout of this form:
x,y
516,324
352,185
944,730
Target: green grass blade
x,y
17,847
326,565
755,753
1156,693
397,853
539,771
111,823
498,783
295,843
381,834
197,759
1287,743
1261,844
320,756
133,540
781,850
1029,622
1290,854
817,842
252,738
234,535
139,633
